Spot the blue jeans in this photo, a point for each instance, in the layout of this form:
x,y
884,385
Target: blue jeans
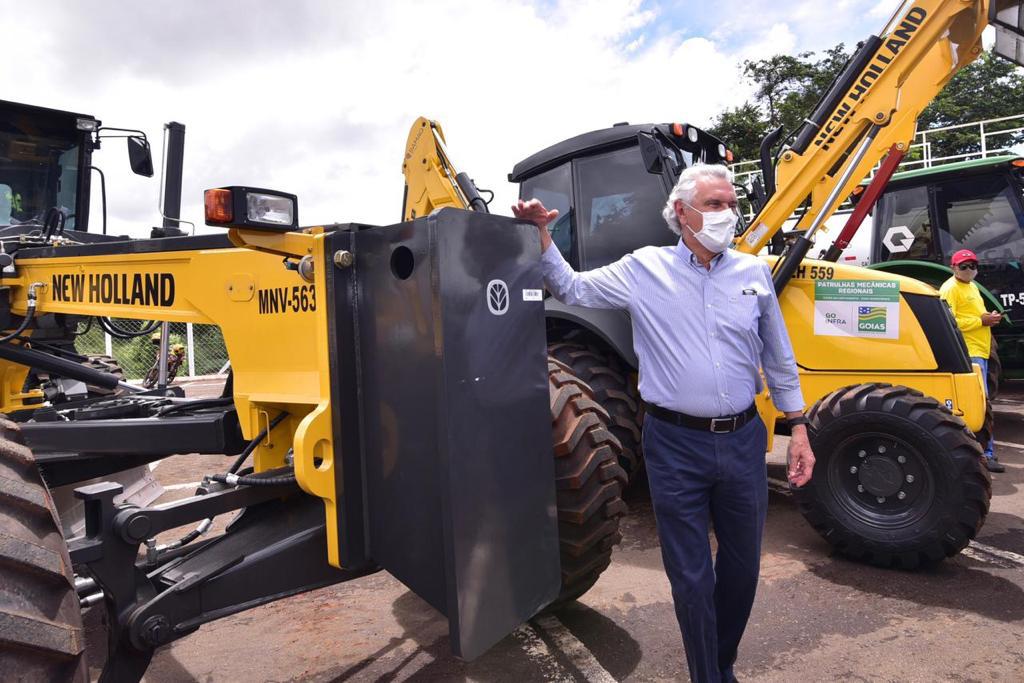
x,y
697,478
983,362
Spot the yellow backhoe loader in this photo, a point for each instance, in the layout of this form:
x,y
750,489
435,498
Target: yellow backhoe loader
x,y
894,401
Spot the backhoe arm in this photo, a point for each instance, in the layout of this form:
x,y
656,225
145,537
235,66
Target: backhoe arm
x,y
872,106
431,180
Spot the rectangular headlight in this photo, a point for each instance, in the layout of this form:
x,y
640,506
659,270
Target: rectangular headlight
x,y
268,208
251,207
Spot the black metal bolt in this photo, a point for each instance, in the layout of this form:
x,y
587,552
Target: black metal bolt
x,y
862,454
881,449
157,630
902,459
880,499
910,478
853,469
860,488
343,259
901,495
137,529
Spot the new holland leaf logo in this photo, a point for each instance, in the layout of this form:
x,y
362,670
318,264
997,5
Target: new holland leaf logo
x,y
497,297
871,318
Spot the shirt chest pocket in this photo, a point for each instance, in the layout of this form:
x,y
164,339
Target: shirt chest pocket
x,y
741,312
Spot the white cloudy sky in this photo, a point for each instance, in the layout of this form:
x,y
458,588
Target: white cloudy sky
x,y
316,97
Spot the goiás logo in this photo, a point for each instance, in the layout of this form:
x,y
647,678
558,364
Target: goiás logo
x,y
871,318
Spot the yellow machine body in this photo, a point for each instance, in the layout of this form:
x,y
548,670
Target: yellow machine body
x,y
827,363
273,321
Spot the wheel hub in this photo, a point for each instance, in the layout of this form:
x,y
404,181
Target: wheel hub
x,y
880,476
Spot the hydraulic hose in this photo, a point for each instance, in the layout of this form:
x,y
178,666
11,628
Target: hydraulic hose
x,y
116,332
254,443
230,478
29,314
264,479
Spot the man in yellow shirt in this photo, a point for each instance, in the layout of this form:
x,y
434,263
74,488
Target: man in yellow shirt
x,y
975,323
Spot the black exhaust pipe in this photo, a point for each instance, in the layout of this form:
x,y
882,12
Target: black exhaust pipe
x,y
172,180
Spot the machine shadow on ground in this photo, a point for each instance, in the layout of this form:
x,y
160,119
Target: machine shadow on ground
x,y
506,661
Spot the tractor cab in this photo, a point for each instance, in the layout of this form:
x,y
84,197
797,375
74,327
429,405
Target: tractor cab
x,y
44,160
609,186
926,215
46,169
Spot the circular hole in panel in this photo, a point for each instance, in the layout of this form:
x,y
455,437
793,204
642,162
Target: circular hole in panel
x,y
402,262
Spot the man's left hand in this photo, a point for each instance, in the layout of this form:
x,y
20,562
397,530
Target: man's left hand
x,y
799,457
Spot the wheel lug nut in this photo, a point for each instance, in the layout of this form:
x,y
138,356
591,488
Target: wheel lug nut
x,y
901,459
880,499
901,495
910,478
853,469
881,449
861,454
860,488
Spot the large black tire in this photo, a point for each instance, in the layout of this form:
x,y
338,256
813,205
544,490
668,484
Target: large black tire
x,y
41,636
589,482
873,442
614,390
107,364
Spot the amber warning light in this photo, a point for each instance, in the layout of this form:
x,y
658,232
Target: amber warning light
x,y
218,206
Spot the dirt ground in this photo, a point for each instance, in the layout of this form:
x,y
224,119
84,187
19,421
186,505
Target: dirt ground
x,y
818,617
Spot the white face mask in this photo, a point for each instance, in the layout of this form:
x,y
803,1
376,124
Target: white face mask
x,y
718,231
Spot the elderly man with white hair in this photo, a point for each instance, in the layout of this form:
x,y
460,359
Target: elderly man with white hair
x,y
705,323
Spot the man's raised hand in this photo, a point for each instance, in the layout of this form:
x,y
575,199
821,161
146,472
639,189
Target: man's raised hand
x,y
534,212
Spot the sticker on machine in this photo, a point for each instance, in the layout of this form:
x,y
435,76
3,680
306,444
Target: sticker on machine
x,y
857,308
756,234
533,295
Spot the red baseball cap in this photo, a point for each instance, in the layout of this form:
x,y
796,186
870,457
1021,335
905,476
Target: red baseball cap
x,y
963,256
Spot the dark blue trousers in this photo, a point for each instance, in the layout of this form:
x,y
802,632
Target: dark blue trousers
x,y
697,478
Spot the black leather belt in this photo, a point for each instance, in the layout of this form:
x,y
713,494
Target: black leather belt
x,y
717,425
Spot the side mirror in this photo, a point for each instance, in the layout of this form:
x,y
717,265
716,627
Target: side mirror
x,y
139,156
651,152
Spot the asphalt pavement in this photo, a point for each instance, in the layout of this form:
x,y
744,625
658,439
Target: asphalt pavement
x,y
818,617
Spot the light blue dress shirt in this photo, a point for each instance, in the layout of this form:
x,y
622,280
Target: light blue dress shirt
x,y
700,335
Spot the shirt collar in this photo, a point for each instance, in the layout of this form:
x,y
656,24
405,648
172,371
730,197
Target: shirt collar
x,y
688,256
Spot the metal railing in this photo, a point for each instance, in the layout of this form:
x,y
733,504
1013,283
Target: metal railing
x,y
995,137
981,139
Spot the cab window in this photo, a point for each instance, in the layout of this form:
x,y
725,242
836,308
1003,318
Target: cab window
x,y
981,214
554,189
619,207
904,226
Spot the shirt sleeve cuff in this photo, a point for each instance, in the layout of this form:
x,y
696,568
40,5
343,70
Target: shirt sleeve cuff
x,y
791,400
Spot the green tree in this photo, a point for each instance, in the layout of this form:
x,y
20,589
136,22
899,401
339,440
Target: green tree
x,y
742,129
786,91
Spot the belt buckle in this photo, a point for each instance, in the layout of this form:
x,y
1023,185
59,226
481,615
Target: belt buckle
x,y
729,421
